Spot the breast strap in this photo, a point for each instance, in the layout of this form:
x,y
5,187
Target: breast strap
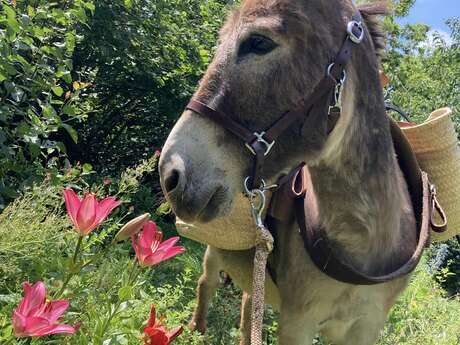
x,y
296,193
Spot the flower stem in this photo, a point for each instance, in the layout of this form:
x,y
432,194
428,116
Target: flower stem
x,y
73,271
132,277
77,249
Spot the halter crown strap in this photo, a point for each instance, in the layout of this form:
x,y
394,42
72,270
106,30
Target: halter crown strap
x,y
321,99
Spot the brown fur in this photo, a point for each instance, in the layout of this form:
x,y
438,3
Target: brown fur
x,y
362,196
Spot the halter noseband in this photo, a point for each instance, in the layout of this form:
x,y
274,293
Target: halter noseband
x,y
324,99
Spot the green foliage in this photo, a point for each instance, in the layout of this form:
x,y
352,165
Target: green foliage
x,y
34,231
143,59
424,69
37,40
423,315
445,264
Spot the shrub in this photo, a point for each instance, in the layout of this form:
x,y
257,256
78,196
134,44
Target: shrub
x,y
143,59
39,94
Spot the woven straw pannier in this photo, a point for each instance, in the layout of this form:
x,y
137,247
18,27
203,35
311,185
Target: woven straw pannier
x,y
435,145
235,231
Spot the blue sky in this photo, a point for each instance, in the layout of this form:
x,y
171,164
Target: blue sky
x,y
433,12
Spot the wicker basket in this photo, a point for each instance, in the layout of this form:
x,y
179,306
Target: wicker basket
x,y
235,231
435,144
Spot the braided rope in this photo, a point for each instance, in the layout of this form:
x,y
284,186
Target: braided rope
x,y
264,246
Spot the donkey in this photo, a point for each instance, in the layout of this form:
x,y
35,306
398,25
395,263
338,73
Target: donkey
x,y
271,54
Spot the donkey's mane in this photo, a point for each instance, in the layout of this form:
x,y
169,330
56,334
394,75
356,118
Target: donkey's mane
x,y
372,13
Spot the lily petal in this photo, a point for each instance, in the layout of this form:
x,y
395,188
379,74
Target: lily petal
x,y
56,329
19,324
173,252
169,243
34,297
86,214
174,333
34,324
72,203
55,309
104,208
147,235
152,318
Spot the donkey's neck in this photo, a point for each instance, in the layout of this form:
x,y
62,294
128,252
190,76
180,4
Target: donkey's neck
x,y
363,201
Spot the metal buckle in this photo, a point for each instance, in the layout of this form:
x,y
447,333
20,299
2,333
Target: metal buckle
x,y
260,139
351,25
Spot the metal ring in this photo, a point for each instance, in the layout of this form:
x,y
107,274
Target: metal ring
x,y
252,192
353,37
343,77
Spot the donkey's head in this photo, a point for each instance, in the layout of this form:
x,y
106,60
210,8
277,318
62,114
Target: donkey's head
x,y
271,55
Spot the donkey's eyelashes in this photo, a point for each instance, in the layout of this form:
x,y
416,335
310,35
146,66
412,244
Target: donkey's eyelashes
x,y
256,44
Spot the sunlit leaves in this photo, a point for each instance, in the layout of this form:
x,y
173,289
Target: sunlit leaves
x,y
424,69
144,59
37,41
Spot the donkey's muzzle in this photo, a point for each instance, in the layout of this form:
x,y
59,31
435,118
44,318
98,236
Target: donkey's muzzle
x,y
192,195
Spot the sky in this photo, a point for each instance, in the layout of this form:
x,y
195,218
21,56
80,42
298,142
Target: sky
x,y
433,12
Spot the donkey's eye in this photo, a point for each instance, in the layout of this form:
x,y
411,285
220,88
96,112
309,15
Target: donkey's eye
x,y
256,44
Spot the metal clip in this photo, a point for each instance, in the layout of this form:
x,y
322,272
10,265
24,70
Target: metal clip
x,y
257,200
260,139
336,105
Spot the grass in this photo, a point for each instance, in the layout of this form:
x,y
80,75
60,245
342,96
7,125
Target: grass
x,y
36,241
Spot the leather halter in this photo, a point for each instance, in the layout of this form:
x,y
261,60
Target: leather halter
x,y
323,100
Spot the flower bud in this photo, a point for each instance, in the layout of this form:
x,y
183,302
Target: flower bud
x,y
132,227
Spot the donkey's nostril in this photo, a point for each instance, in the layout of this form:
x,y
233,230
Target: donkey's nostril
x,y
172,180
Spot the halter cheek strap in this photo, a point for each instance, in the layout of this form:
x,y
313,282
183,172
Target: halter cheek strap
x,y
323,99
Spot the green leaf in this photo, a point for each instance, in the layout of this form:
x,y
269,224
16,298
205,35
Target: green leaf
x,y
70,41
125,293
12,24
87,168
90,6
69,109
9,192
58,91
80,14
163,209
60,145
48,111
72,132
34,150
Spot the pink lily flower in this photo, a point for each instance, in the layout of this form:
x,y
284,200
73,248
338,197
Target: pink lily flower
x,y
149,248
156,334
37,317
87,213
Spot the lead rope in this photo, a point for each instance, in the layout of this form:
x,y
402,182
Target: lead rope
x,y
264,246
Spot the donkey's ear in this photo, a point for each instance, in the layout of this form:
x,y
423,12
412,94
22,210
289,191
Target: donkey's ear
x,y
372,14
